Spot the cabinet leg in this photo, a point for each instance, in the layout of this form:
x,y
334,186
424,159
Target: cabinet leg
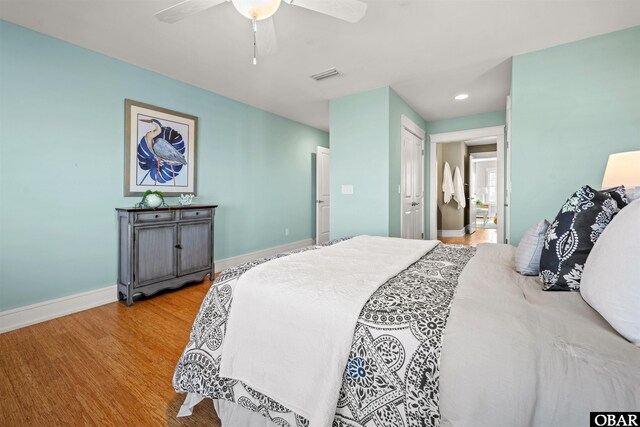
x,y
129,300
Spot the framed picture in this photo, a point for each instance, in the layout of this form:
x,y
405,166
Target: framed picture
x,y
160,150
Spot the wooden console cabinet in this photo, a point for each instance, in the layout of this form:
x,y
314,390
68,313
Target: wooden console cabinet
x,y
163,248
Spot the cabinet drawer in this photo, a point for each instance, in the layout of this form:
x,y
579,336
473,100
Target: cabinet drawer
x,y
146,217
195,214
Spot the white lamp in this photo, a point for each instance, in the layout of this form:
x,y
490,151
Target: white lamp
x,y
257,9
624,169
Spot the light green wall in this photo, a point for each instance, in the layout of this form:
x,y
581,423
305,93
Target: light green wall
x,y
397,108
365,152
572,106
359,133
497,118
62,155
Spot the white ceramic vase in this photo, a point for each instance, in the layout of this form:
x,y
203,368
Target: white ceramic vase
x,y
153,201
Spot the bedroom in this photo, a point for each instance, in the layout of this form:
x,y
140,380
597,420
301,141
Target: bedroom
x,y
67,67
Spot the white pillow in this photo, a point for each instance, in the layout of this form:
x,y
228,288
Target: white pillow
x,y
611,278
530,248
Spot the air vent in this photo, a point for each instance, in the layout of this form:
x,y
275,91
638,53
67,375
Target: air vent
x,y
326,74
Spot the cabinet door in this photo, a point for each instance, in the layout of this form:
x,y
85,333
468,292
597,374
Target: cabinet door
x,y
156,254
195,244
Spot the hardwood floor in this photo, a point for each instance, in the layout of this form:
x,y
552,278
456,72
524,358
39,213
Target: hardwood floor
x,y
482,235
111,365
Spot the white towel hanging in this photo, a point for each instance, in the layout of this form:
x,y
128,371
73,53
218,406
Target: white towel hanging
x,y
447,183
458,189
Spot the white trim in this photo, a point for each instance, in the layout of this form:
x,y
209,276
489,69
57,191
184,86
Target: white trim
x,y
491,156
41,312
452,233
507,196
223,264
465,135
447,137
407,123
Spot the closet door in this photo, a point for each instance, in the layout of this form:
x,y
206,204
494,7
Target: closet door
x,y
412,188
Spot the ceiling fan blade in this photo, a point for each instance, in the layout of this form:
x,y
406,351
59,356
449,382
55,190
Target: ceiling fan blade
x,y
347,10
266,41
184,9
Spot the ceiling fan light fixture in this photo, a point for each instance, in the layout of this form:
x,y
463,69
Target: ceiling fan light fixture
x,y
256,9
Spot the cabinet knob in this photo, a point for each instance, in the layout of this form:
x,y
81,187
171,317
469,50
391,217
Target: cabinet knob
x,y
157,215
178,247
197,213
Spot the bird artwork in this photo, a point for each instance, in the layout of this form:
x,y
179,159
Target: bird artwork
x,y
161,153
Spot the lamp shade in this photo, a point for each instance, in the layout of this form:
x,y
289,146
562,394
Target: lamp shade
x,y
622,169
258,9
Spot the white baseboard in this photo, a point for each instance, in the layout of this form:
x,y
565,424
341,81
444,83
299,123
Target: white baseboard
x,y
41,312
452,233
223,264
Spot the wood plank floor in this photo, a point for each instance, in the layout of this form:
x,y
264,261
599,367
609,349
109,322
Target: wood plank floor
x,y
111,365
482,235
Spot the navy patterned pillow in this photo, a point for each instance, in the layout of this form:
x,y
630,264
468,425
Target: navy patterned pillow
x,y
619,195
570,238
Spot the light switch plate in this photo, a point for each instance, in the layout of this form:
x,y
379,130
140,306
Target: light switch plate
x,y
347,189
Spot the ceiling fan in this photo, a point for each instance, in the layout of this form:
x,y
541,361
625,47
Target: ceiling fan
x,y
261,11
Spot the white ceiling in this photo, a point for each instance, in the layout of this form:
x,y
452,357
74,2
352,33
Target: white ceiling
x,y
427,51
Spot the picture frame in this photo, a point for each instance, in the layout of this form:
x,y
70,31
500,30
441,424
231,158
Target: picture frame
x,y
160,150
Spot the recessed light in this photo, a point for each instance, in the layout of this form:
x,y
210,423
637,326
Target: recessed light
x,y
461,96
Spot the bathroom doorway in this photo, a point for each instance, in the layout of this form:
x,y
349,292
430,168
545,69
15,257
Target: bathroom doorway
x,y
476,211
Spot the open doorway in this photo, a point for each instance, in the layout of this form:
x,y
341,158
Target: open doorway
x,y
482,171
477,211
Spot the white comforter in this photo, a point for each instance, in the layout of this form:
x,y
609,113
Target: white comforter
x,y
293,319
514,355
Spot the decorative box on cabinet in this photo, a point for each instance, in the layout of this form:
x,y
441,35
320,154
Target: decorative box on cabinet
x,y
163,248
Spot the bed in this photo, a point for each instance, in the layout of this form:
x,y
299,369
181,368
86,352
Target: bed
x,y
456,339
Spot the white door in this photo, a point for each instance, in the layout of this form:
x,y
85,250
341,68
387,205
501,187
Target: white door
x,y
411,187
472,195
492,182
322,194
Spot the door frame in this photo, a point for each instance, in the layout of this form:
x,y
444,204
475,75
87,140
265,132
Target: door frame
x,y
406,124
465,135
507,195
473,179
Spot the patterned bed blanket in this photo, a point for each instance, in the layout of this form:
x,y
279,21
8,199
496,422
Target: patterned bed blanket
x,y
392,374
